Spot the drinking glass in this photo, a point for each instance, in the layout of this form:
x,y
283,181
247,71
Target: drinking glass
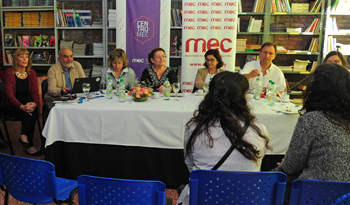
x,y
205,88
283,95
86,90
176,89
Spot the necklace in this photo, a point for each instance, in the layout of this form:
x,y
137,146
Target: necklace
x,y
21,75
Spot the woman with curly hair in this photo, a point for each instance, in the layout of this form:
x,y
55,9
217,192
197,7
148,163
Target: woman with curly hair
x,y
220,123
320,145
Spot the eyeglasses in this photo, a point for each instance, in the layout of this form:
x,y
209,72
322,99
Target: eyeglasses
x,y
117,63
159,57
211,60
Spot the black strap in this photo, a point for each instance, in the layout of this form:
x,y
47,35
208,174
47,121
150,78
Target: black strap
x,y
229,151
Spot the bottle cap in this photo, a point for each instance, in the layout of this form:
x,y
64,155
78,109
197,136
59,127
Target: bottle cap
x,y
120,77
272,83
109,78
121,80
167,79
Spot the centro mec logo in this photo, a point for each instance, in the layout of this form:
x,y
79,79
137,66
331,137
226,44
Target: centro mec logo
x,y
138,60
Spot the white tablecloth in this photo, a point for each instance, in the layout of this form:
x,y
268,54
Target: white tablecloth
x,y
155,123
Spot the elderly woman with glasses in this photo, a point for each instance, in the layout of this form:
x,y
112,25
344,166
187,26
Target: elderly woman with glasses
x,y
155,75
213,64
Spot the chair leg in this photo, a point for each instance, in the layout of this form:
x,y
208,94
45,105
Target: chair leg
x,y
8,137
6,198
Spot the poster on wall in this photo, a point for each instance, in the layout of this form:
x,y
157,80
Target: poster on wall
x,y
139,30
209,24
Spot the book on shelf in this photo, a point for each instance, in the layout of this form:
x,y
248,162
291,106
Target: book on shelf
x,y
343,48
249,24
316,6
314,27
256,25
286,68
313,66
259,6
331,44
9,56
176,17
111,46
280,6
313,47
73,18
278,27
8,39
240,6
300,7
340,6
238,25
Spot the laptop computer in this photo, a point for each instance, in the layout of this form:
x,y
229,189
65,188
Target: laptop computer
x,y
94,84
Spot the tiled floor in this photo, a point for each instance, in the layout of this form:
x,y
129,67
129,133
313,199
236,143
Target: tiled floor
x,y
14,130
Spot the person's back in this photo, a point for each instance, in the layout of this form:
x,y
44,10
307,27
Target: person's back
x,y
205,157
319,148
223,121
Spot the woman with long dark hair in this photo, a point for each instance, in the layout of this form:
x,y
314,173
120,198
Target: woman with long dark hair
x,y
320,145
219,123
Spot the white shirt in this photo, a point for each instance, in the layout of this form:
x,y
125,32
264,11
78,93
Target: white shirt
x,y
273,73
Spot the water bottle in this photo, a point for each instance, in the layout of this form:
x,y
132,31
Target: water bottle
x,y
117,86
166,92
109,88
272,94
207,91
268,90
257,89
121,89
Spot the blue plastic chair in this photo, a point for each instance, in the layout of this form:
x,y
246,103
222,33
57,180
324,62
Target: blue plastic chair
x,y
306,191
99,191
34,181
230,187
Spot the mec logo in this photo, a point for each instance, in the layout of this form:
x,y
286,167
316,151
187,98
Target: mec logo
x,y
225,45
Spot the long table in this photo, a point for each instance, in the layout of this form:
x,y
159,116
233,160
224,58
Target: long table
x,y
137,140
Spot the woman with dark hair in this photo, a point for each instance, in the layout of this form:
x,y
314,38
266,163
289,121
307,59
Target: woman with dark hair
x,y
320,145
118,65
220,123
155,75
337,58
213,64
22,97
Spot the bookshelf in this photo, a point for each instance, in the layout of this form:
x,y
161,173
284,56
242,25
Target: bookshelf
x,y
12,33
95,34
337,32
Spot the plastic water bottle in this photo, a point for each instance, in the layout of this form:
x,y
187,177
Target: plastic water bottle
x,y
257,89
268,90
117,86
121,91
109,88
272,94
166,92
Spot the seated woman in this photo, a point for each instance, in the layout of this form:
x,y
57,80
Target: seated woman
x,y
320,145
155,75
118,65
220,123
337,58
22,97
213,64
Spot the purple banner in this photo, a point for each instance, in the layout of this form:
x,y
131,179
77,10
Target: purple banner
x,y
142,32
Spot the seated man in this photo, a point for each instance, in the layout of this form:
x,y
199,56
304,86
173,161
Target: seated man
x,y
264,68
62,75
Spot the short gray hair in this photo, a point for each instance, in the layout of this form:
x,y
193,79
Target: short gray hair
x,y
60,52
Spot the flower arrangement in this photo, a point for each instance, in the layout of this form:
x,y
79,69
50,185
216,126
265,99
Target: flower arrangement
x,y
140,93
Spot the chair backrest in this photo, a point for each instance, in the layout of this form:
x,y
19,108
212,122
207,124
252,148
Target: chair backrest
x,y
99,190
305,191
28,180
44,88
231,187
